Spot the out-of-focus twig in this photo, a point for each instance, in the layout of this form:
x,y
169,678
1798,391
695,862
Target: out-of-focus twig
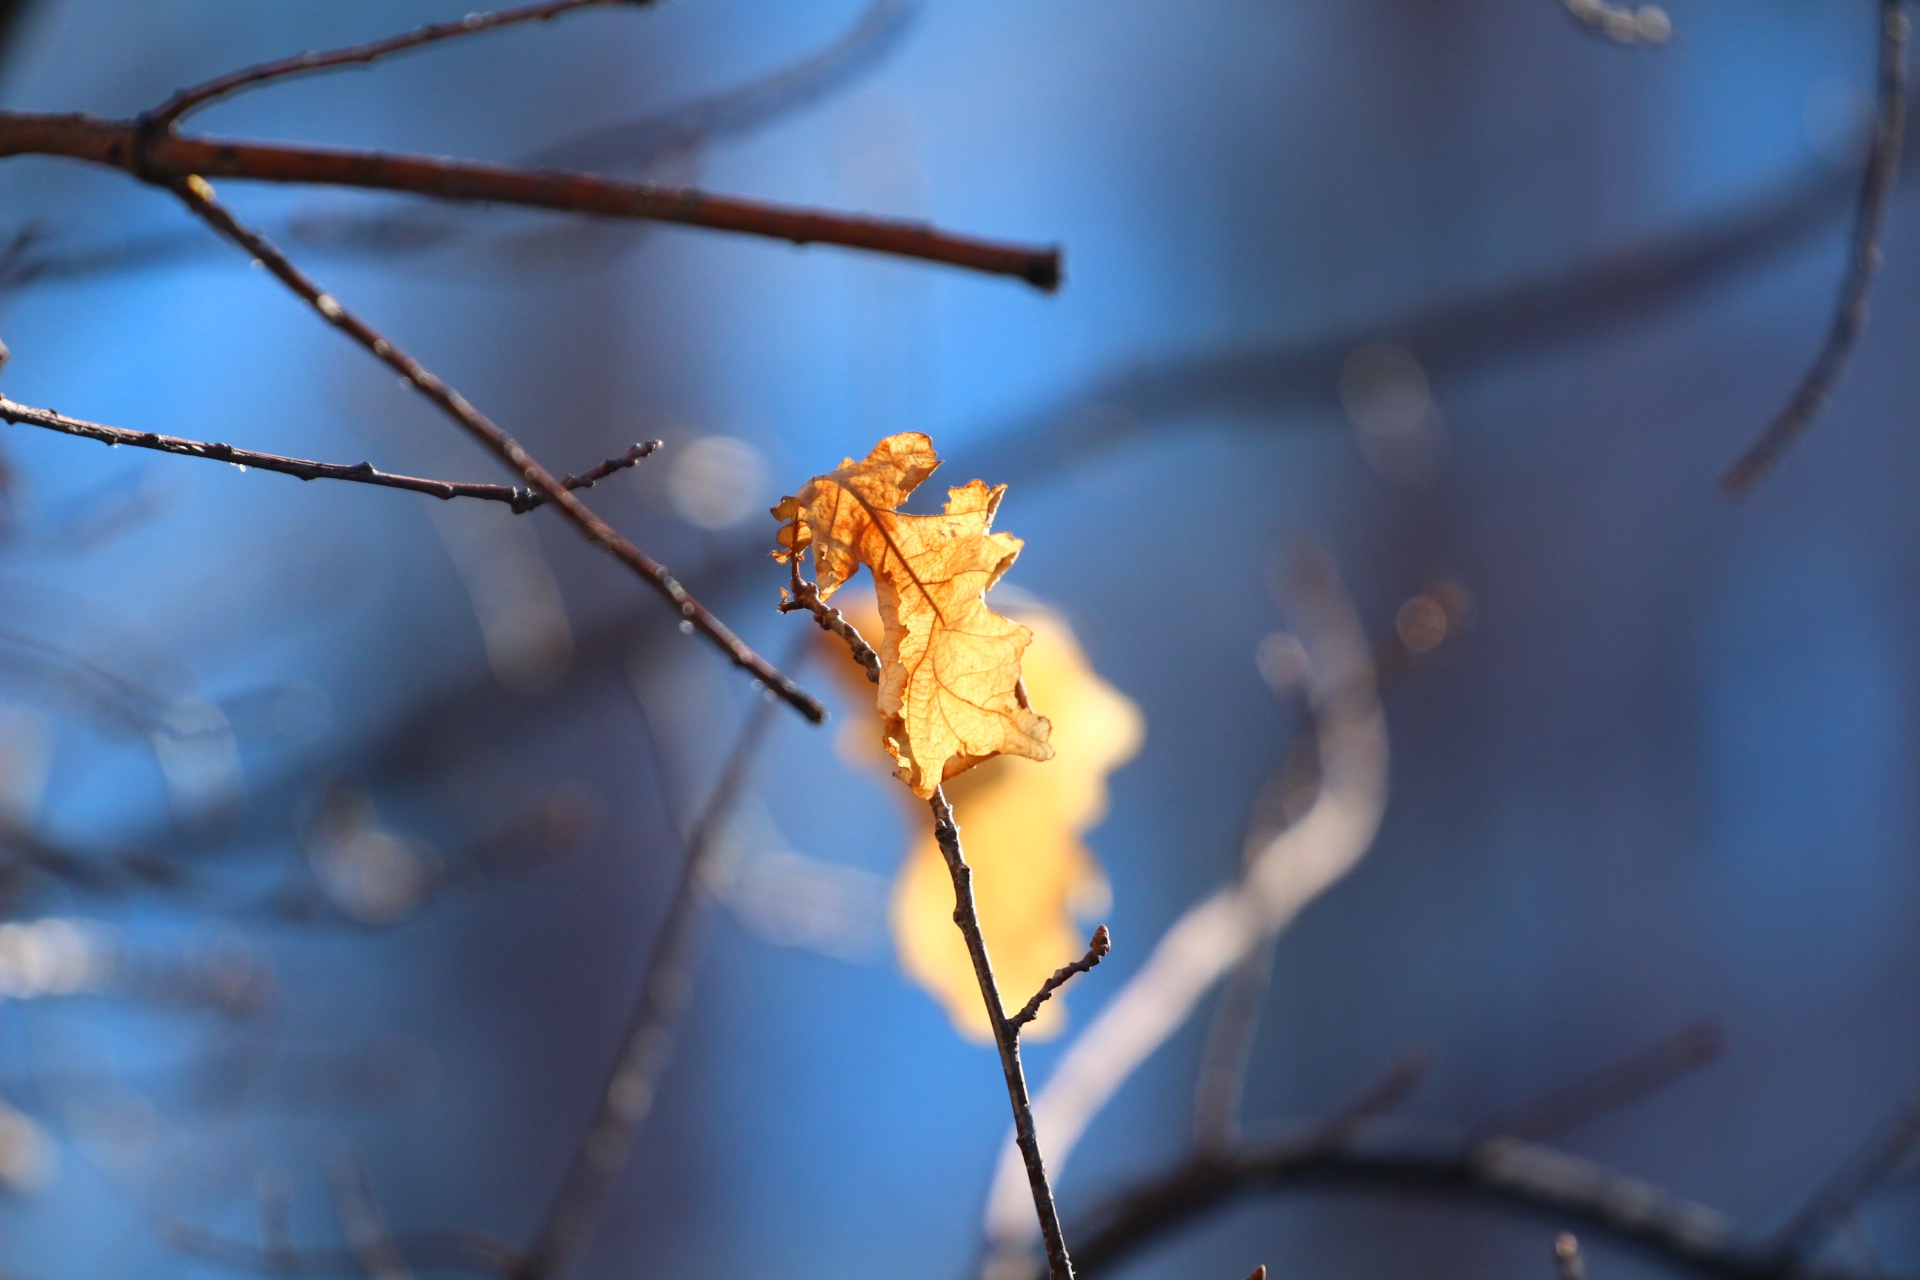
x,y
1616,1085
186,101
1622,24
647,1046
1292,869
1222,1079
1503,1172
1843,1193
198,196
1863,262
1376,1100
519,498
626,146
360,1221
629,145
428,1250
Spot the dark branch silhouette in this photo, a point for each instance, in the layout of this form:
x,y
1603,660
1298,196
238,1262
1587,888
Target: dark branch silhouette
x,y
186,101
167,159
197,195
519,499
665,990
1863,263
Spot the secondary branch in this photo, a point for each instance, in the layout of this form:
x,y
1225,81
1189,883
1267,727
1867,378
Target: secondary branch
x,y
518,498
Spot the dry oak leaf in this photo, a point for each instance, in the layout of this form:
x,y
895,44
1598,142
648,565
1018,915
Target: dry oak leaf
x,y
950,691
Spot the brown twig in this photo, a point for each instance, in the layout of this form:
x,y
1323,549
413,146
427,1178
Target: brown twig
x,y
665,989
198,196
1503,1172
1006,1031
186,101
1827,1211
518,498
1615,1085
1005,1036
1376,1100
1096,950
804,595
1863,262
428,1250
167,159
1222,1079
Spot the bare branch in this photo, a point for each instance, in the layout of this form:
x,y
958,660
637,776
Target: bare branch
x,y
1829,1208
1222,1078
198,196
380,1258
1386,1093
429,1250
1006,1031
519,499
665,989
1291,868
1504,1172
1005,1037
804,595
1863,263
1096,949
168,160
1617,1084
186,101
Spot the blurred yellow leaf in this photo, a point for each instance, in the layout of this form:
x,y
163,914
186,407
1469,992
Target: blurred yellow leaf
x,y
950,691
1022,827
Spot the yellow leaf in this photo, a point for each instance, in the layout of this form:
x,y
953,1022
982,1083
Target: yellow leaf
x,y
950,691
1022,826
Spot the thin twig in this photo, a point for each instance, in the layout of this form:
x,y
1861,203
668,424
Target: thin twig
x,y
198,196
518,498
1291,869
276,1237
380,1258
1222,1079
805,595
1616,1085
1005,1036
1376,1100
1826,1212
1863,262
186,101
1006,1033
1096,949
665,989
429,1250
166,159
